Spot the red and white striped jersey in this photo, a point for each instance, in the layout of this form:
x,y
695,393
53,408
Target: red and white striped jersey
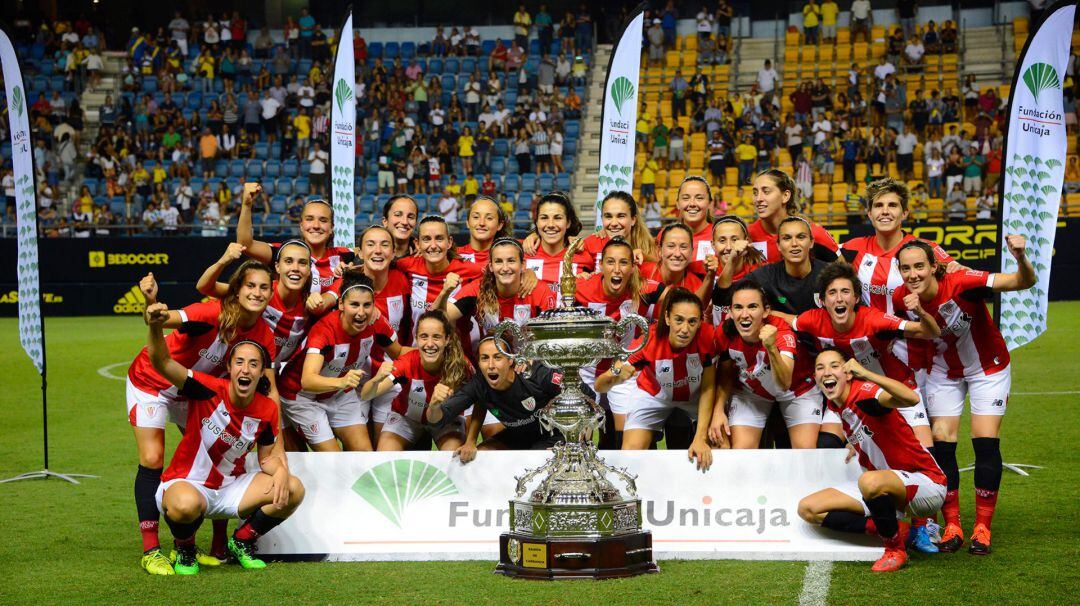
x,y
195,345
471,255
590,293
879,270
673,376
322,268
288,325
393,303
869,341
880,435
825,247
970,344
341,353
218,433
547,267
650,270
755,372
721,297
426,285
417,386
702,247
516,308
587,257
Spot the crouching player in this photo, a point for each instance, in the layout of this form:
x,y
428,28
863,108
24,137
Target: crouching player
x,y
901,475
206,477
512,398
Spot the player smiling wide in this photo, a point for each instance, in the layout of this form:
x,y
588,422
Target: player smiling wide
x,y
204,334
554,222
775,201
970,360
226,418
899,476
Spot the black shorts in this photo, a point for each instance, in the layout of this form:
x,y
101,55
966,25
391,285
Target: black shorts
x,y
529,437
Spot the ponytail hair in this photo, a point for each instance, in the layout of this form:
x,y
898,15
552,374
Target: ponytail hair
x,y
487,298
939,269
640,238
231,311
456,369
750,256
671,299
784,183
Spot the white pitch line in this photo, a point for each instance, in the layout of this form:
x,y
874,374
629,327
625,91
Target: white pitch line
x,y
815,585
104,371
1045,393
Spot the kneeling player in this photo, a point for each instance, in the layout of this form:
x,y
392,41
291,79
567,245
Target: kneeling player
x,y
511,398
206,478
900,475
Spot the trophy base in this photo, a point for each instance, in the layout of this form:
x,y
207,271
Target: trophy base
x,y
542,558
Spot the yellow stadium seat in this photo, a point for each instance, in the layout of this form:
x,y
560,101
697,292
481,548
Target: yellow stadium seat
x,y
675,177
731,175
671,59
843,37
843,54
1020,25
825,55
839,191
821,192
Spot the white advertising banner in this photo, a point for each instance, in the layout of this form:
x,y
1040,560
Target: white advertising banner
x,y
619,117
1034,172
428,506
30,334
343,139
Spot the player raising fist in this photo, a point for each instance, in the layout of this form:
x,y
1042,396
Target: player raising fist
x,y
900,474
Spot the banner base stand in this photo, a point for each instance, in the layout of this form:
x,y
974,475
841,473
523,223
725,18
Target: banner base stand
x,y
46,474
1017,468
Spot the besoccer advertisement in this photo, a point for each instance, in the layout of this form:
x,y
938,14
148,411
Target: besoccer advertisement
x,y
1035,170
428,506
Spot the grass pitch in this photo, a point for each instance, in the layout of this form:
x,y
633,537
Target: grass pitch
x,y
80,544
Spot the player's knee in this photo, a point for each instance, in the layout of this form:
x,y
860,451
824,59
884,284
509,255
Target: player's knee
x,y
183,507
296,491
152,458
808,512
871,485
944,432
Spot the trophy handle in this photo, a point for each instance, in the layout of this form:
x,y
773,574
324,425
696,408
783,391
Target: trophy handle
x,y
627,323
519,336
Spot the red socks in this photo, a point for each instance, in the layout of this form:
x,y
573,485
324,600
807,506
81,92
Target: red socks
x,y
985,502
871,527
221,535
149,530
951,509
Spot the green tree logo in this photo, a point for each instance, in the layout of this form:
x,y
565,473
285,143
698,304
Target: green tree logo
x,y
343,93
1041,76
392,486
17,101
622,90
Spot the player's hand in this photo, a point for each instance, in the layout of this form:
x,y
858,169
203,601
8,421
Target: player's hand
x,y
466,452
739,246
251,191
639,257
856,370
157,314
955,266
233,252
374,316
850,453
767,334
628,372
440,394
385,370
344,267
451,282
912,303
1017,245
700,451
719,430
149,287
351,379
528,283
280,487
314,303
712,264
531,244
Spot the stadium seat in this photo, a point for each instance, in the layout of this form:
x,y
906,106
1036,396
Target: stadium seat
x,y
284,186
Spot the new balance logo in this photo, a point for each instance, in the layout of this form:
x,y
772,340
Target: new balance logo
x,y
133,302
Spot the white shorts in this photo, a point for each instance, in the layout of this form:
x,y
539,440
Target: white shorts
x,y
750,409
411,430
380,406
621,397
223,502
915,415
989,394
925,496
649,412
316,420
154,411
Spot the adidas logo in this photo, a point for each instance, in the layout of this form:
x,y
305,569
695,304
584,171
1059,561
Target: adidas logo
x,y
393,486
133,302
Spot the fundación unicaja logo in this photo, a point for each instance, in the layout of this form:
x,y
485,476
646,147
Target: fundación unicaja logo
x,y
17,101
343,93
1039,77
622,90
393,486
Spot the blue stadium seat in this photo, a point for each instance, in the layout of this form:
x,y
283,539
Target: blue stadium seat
x,y
367,203
468,65
194,100
511,165
149,84
236,168
486,46
253,169
547,182
453,66
435,66
269,186
221,168
524,200
500,147
391,50
284,186
449,82
528,182
511,183
408,50
375,50
262,152
562,182
371,185
278,204
534,47
302,186
290,168
523,217
498,165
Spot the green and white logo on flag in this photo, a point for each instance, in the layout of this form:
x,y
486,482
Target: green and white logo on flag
x,y
1041,76
343,93
622,90
343,140
393,486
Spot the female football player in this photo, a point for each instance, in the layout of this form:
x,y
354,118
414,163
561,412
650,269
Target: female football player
x,y
486,222
621,218
775,199
555,222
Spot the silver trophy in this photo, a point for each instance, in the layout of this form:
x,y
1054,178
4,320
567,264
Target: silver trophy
x,y
574,523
